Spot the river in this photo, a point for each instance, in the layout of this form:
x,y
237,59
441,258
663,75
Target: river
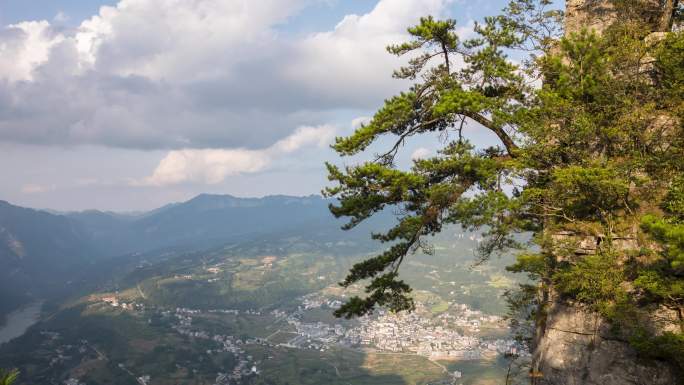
x,y
20,320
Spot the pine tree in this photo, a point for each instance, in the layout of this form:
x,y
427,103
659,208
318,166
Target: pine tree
x,y
589,160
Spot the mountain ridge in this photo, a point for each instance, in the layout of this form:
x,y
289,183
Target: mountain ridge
x,y
45,252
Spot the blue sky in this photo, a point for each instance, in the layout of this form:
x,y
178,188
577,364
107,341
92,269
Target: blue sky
x,y
146,102
319,16
13,11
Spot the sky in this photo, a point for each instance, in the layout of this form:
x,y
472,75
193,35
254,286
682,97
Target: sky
x,y
129,105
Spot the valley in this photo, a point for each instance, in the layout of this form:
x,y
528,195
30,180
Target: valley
x,y
260,312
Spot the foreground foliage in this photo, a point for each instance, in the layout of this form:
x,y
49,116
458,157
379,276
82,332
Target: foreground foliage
x,y
8,377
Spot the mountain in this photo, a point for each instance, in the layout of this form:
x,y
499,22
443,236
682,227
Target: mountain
x,y
48,254
208,220
219,218
39,252
98,224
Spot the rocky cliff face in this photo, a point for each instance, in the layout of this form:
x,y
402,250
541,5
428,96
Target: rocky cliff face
x,y
598,14
574,346
578,348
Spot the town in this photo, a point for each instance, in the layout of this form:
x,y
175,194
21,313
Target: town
x,y
454,333
436,337
450,335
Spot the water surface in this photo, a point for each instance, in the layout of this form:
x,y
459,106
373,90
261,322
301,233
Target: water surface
x,y
20,320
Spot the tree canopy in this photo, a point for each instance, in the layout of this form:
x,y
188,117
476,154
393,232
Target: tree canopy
x,y
590,144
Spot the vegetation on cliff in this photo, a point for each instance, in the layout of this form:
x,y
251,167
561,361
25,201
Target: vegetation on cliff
x,y
590,161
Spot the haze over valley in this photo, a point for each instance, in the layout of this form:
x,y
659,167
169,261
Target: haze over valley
x,y
231,290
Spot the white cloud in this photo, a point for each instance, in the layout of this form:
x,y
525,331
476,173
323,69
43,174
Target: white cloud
x,y
420,153
305,136
212,166
358,122
351,59
206,166
194,74
23,47
180,40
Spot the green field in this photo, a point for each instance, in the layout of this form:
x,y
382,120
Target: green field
x,y
342,366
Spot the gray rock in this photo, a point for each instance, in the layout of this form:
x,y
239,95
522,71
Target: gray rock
x,y
577,347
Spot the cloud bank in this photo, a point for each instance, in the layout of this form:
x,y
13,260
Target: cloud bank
x,y
212,166
194,74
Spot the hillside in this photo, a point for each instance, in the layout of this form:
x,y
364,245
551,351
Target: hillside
x,y
40,253
46,252
195,315
208,220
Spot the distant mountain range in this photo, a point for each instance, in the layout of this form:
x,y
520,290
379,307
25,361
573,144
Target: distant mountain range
x,y
204,221
43,253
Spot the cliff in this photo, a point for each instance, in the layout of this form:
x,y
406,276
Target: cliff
x,y
598,14
578,347
572,345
